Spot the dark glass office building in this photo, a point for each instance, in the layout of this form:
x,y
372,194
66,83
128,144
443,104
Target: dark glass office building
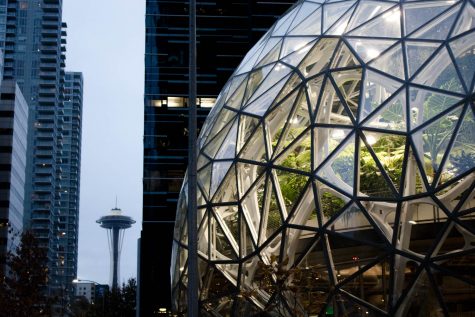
x,y
226,31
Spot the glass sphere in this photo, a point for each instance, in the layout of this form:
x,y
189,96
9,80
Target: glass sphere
x,y
336,170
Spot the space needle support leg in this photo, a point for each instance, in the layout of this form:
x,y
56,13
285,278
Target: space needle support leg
x,y
192,184
115,257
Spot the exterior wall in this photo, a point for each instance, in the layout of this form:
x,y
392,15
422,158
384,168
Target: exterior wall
x,y
35,59
13,138
87,290
226,31
69,163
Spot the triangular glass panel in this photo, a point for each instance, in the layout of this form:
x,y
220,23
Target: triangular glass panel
x,y
291,85
390,62
228,147
262,103
247,175
325,142
312,25
432,142
305,213
314,86
463,49
214,142
369,49
295,155
462,154
256,78
343,304
347,253
203,241
219,285
204,178
227,191
372,181
458,197
255,148
406,271
426,104
461,283
349,82
295,57
247,243
344,57
223,120
229,218
375,292
466,20
200,197
251,273
251,57
331,109
277,120
354,224
311,274
332,12
220,169
292,186
271,55
293,44
306,10
330,201
253,204
417,14
272,216
339,169
341,25
272,248
417,54
317,59
279,72
377,89
236,91
440,73
439,28
389,149
298,241
414,182
387,24
452,241
423,299
222,248
284,22
366,11
392,116
202,161
298,123
247,126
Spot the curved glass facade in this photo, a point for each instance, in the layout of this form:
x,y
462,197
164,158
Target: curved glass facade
x,y
336,170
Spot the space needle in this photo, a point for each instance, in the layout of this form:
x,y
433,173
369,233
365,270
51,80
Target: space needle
x,y
115,223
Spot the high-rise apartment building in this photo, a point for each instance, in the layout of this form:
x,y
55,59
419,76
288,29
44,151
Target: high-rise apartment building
x,y
35,59
68,172
226,30
13,139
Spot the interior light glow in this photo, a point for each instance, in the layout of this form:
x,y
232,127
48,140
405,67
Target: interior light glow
x,y
372,53
412,222
371,139
392,16
338,134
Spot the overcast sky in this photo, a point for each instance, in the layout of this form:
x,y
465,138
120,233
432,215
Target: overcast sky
x,y
106,43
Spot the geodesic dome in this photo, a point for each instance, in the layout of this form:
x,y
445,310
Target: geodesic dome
x,y
336,170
